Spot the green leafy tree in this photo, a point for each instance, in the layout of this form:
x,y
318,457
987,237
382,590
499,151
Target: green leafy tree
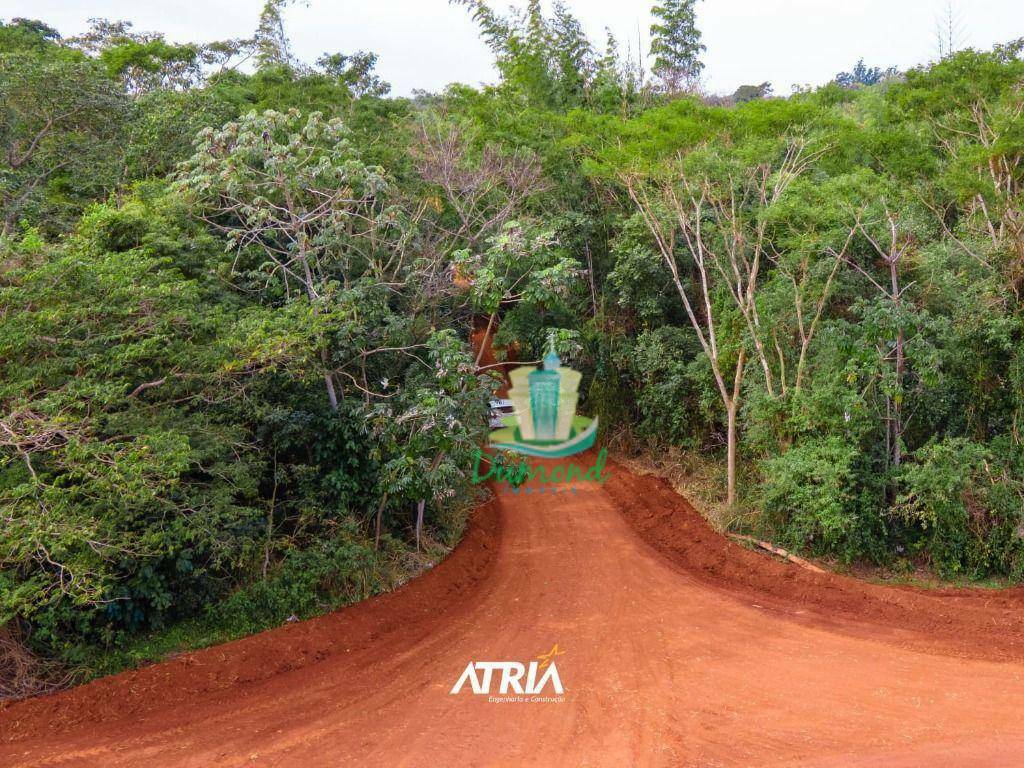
x,y
574,56
355,72
969,504
971,106
124,490
146,63
27,36
522,273
271,44
427,433
861,74
61,128
811,494
676,45
163,127
708,213
152,64
747,93
616,84
549,61
296,191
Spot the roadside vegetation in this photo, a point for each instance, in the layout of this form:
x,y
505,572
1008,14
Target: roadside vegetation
x,y
237,292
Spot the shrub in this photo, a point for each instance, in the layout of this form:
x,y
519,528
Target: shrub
x,y
812,494
324,576
968,507
672,385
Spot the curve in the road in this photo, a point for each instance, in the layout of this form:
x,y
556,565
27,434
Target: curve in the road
x,y
677,648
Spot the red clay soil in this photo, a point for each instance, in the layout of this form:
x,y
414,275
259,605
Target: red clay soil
x,y
679,648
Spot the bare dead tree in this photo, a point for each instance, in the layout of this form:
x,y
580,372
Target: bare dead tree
x,y
484,188
998,216
949,30
711,222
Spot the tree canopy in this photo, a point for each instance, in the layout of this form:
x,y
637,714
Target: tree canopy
x,y
237,366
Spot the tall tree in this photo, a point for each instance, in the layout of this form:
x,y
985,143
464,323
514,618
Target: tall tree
x,y
708,216
295,190
549,60
892,248
272,46
676,45
59,120
746,93
573,55
355,71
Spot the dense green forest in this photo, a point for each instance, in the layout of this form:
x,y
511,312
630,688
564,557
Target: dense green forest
x,y
237,292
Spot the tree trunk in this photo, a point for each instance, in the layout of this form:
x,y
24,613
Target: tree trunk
x,y
483,342
732,405
270,522
311,294
731,408
332,395
897,405
419,521
888,430
380,513
591,279
897,416
438,458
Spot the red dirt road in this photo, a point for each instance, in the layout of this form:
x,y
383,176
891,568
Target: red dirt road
x,y
680,648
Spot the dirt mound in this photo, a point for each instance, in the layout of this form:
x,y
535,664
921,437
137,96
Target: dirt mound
x,y
229,668
976,623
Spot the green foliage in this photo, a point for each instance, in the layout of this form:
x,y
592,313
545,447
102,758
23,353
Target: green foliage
x,y
306,582
638,276
334,571
138,60
165,126
27,36
549,62
814,495
675,394
189,450
355,72
522,266
61,127
294,187
676,45
272,46
235,308
112,497
747,93
910,171
967,501
862,75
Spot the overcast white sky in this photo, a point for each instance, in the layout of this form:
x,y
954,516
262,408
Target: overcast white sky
x,y
430,43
